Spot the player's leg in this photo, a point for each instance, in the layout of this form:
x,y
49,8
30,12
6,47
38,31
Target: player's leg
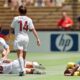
x,y
21,62
30,64
24,57
26,41
18,45
33,71
37,65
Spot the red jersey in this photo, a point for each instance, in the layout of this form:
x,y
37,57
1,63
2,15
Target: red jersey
x,y
63,22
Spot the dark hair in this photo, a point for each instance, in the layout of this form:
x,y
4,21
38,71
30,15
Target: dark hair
x,y
22,10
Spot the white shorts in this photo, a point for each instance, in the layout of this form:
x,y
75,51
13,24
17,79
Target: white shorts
x,y
21,43
3,44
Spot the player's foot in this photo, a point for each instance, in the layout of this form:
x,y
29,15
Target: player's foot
x,y
40,66
38,72
21,73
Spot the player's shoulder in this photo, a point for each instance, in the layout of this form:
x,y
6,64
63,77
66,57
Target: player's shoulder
x,y
28,18
15,18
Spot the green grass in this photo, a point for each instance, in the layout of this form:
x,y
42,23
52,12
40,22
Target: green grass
x,y
55,64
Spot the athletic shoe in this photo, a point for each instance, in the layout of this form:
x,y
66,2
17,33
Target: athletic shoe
x,y
21,73
36,71
40,66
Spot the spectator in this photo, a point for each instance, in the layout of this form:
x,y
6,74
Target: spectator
x,y
50,3
59,3
28,2
15,4
12,3
65,23
7,2
40,3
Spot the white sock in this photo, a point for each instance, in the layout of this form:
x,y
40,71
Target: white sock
x,y
21,63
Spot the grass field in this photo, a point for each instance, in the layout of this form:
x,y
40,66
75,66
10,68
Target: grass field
x,y
55,64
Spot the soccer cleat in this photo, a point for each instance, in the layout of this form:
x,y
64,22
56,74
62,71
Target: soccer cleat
x,y
38,72
21,73
40,66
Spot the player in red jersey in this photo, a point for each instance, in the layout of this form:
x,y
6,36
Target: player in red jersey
x,y
65,23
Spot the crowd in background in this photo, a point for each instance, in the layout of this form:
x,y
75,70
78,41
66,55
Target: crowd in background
x,y
37,3
14,4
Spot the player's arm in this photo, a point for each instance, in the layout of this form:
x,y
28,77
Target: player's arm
x,y
31,27
36,35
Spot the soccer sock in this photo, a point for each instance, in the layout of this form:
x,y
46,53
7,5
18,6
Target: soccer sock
x,y
24,62
21,63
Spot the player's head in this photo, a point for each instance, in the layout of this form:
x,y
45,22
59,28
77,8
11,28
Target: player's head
x,y
22,10
70,65
64,14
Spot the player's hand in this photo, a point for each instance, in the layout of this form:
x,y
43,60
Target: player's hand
x,y
38,42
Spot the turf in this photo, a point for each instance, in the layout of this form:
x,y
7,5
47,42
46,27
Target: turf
x,y
55,64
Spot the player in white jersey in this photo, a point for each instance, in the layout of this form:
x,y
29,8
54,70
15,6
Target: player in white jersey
x,y
13,67
4,47
21,25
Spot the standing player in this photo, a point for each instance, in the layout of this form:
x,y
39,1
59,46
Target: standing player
x,y
21,25
4,47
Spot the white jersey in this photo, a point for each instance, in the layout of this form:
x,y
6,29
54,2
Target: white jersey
x,y
5,68
3,44
21,24
13,67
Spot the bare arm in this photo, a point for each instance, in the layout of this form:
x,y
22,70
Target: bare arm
x,y
36,35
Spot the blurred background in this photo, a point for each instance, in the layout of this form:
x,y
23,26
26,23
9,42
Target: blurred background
x,y
45,15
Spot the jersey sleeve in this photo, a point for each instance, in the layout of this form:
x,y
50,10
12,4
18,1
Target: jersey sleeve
x,y
31,25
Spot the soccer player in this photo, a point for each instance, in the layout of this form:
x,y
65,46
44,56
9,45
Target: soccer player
x,y
72,69
12,67
4,47
21,24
